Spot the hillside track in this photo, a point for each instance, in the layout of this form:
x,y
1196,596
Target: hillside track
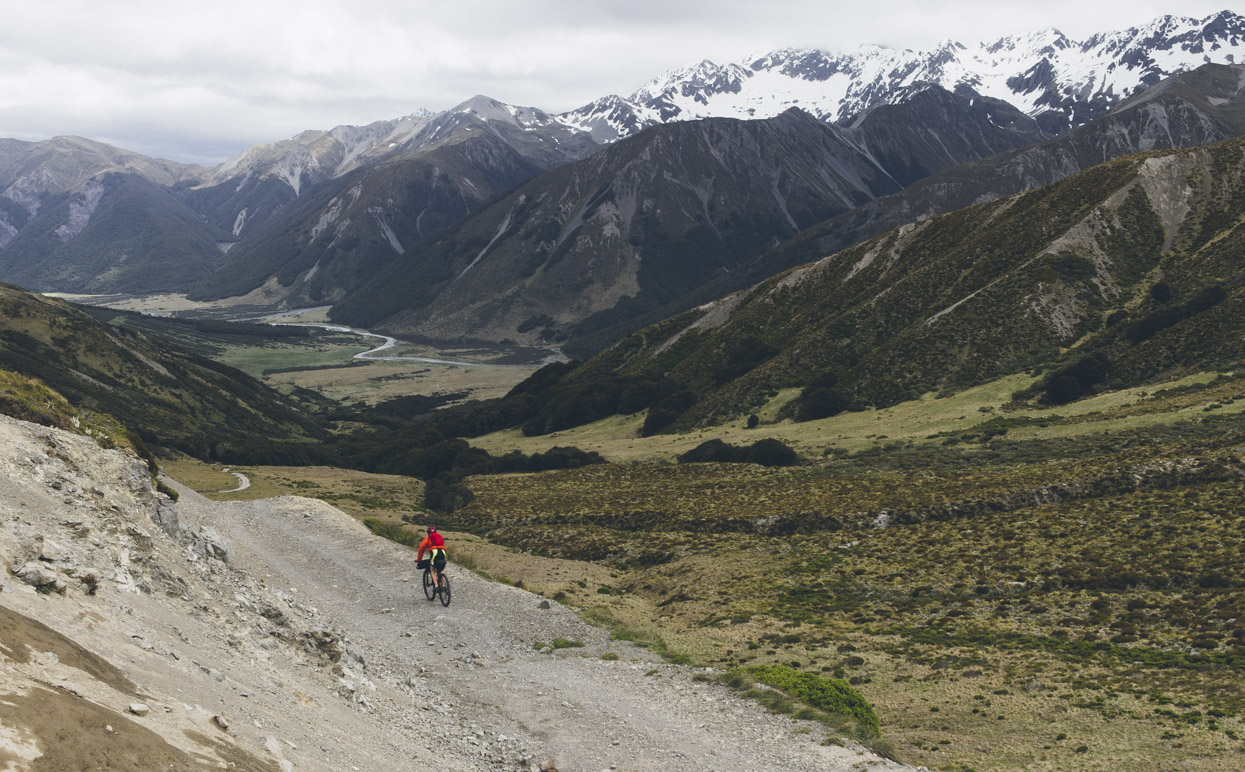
x,y
479,664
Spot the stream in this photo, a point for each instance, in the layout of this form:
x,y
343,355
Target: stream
x,y
389,342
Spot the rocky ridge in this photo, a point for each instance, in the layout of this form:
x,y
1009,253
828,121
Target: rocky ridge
x,y
1058,81
281,635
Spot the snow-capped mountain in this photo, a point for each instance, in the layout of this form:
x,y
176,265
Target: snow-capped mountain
x,y
1059,82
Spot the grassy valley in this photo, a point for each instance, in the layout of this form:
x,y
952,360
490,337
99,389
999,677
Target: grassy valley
x,y
300,357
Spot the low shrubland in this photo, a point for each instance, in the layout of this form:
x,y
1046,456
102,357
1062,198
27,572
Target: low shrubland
x,y
981,597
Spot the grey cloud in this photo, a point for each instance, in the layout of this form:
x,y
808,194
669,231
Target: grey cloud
x,y
204,81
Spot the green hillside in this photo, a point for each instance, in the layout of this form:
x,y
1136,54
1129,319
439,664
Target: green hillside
x,y
171,398
120,233
1123,274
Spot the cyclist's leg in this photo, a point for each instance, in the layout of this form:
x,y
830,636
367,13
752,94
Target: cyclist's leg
x,y
438,563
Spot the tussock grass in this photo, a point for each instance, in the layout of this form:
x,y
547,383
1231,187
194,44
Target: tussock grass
x,y
1050,579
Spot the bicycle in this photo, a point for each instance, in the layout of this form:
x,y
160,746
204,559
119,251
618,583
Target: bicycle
x,y
431,592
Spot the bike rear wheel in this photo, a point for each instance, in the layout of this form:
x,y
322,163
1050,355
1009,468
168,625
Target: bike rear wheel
x,y
428,590
445,590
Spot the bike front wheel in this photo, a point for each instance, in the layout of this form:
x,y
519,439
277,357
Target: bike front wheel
x,y
428,589
445,590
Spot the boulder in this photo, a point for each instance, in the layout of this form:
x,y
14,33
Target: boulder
x,y
166,518
273,614
38,574
51,551
206,542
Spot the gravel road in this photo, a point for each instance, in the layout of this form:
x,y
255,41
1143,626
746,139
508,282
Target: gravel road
x,y
475,668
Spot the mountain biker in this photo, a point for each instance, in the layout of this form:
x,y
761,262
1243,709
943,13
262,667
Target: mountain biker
x,y
435,544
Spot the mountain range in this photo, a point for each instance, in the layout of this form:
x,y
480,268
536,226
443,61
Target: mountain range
x,y
1059,81
1117,276
499,222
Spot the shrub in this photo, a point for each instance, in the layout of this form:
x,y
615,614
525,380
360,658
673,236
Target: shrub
x,y
830,695
1152,324
391,531
1075,380
709,451
740,357
770,452
446,494
1071,267
767,452
667,410
822,398
821,402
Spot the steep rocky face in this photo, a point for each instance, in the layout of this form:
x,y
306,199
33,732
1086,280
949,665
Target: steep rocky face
x,y
623,231
930,130
326,234
327,243
243,192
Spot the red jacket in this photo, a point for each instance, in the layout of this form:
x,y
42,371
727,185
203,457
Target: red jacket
x,y
432,541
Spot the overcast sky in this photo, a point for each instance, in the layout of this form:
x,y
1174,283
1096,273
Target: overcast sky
x,y
199,82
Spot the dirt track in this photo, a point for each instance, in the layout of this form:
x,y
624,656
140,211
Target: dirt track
x,y
478,660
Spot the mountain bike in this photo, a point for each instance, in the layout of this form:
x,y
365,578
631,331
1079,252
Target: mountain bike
x,y
431,592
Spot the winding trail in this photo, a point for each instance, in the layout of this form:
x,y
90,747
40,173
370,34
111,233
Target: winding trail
x,y
244,482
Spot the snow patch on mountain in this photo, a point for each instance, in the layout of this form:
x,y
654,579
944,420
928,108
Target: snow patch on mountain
x,y
1043,73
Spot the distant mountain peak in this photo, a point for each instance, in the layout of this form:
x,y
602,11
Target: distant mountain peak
x,y
1060,82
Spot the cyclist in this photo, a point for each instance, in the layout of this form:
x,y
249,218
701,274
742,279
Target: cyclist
x,y
435,545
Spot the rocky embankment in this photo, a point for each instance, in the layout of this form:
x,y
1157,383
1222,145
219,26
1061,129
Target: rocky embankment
x,y
138,633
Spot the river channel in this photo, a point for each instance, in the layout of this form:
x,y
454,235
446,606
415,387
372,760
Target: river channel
x,y
374,354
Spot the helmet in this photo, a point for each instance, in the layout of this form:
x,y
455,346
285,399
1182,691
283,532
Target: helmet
x,y
432,529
